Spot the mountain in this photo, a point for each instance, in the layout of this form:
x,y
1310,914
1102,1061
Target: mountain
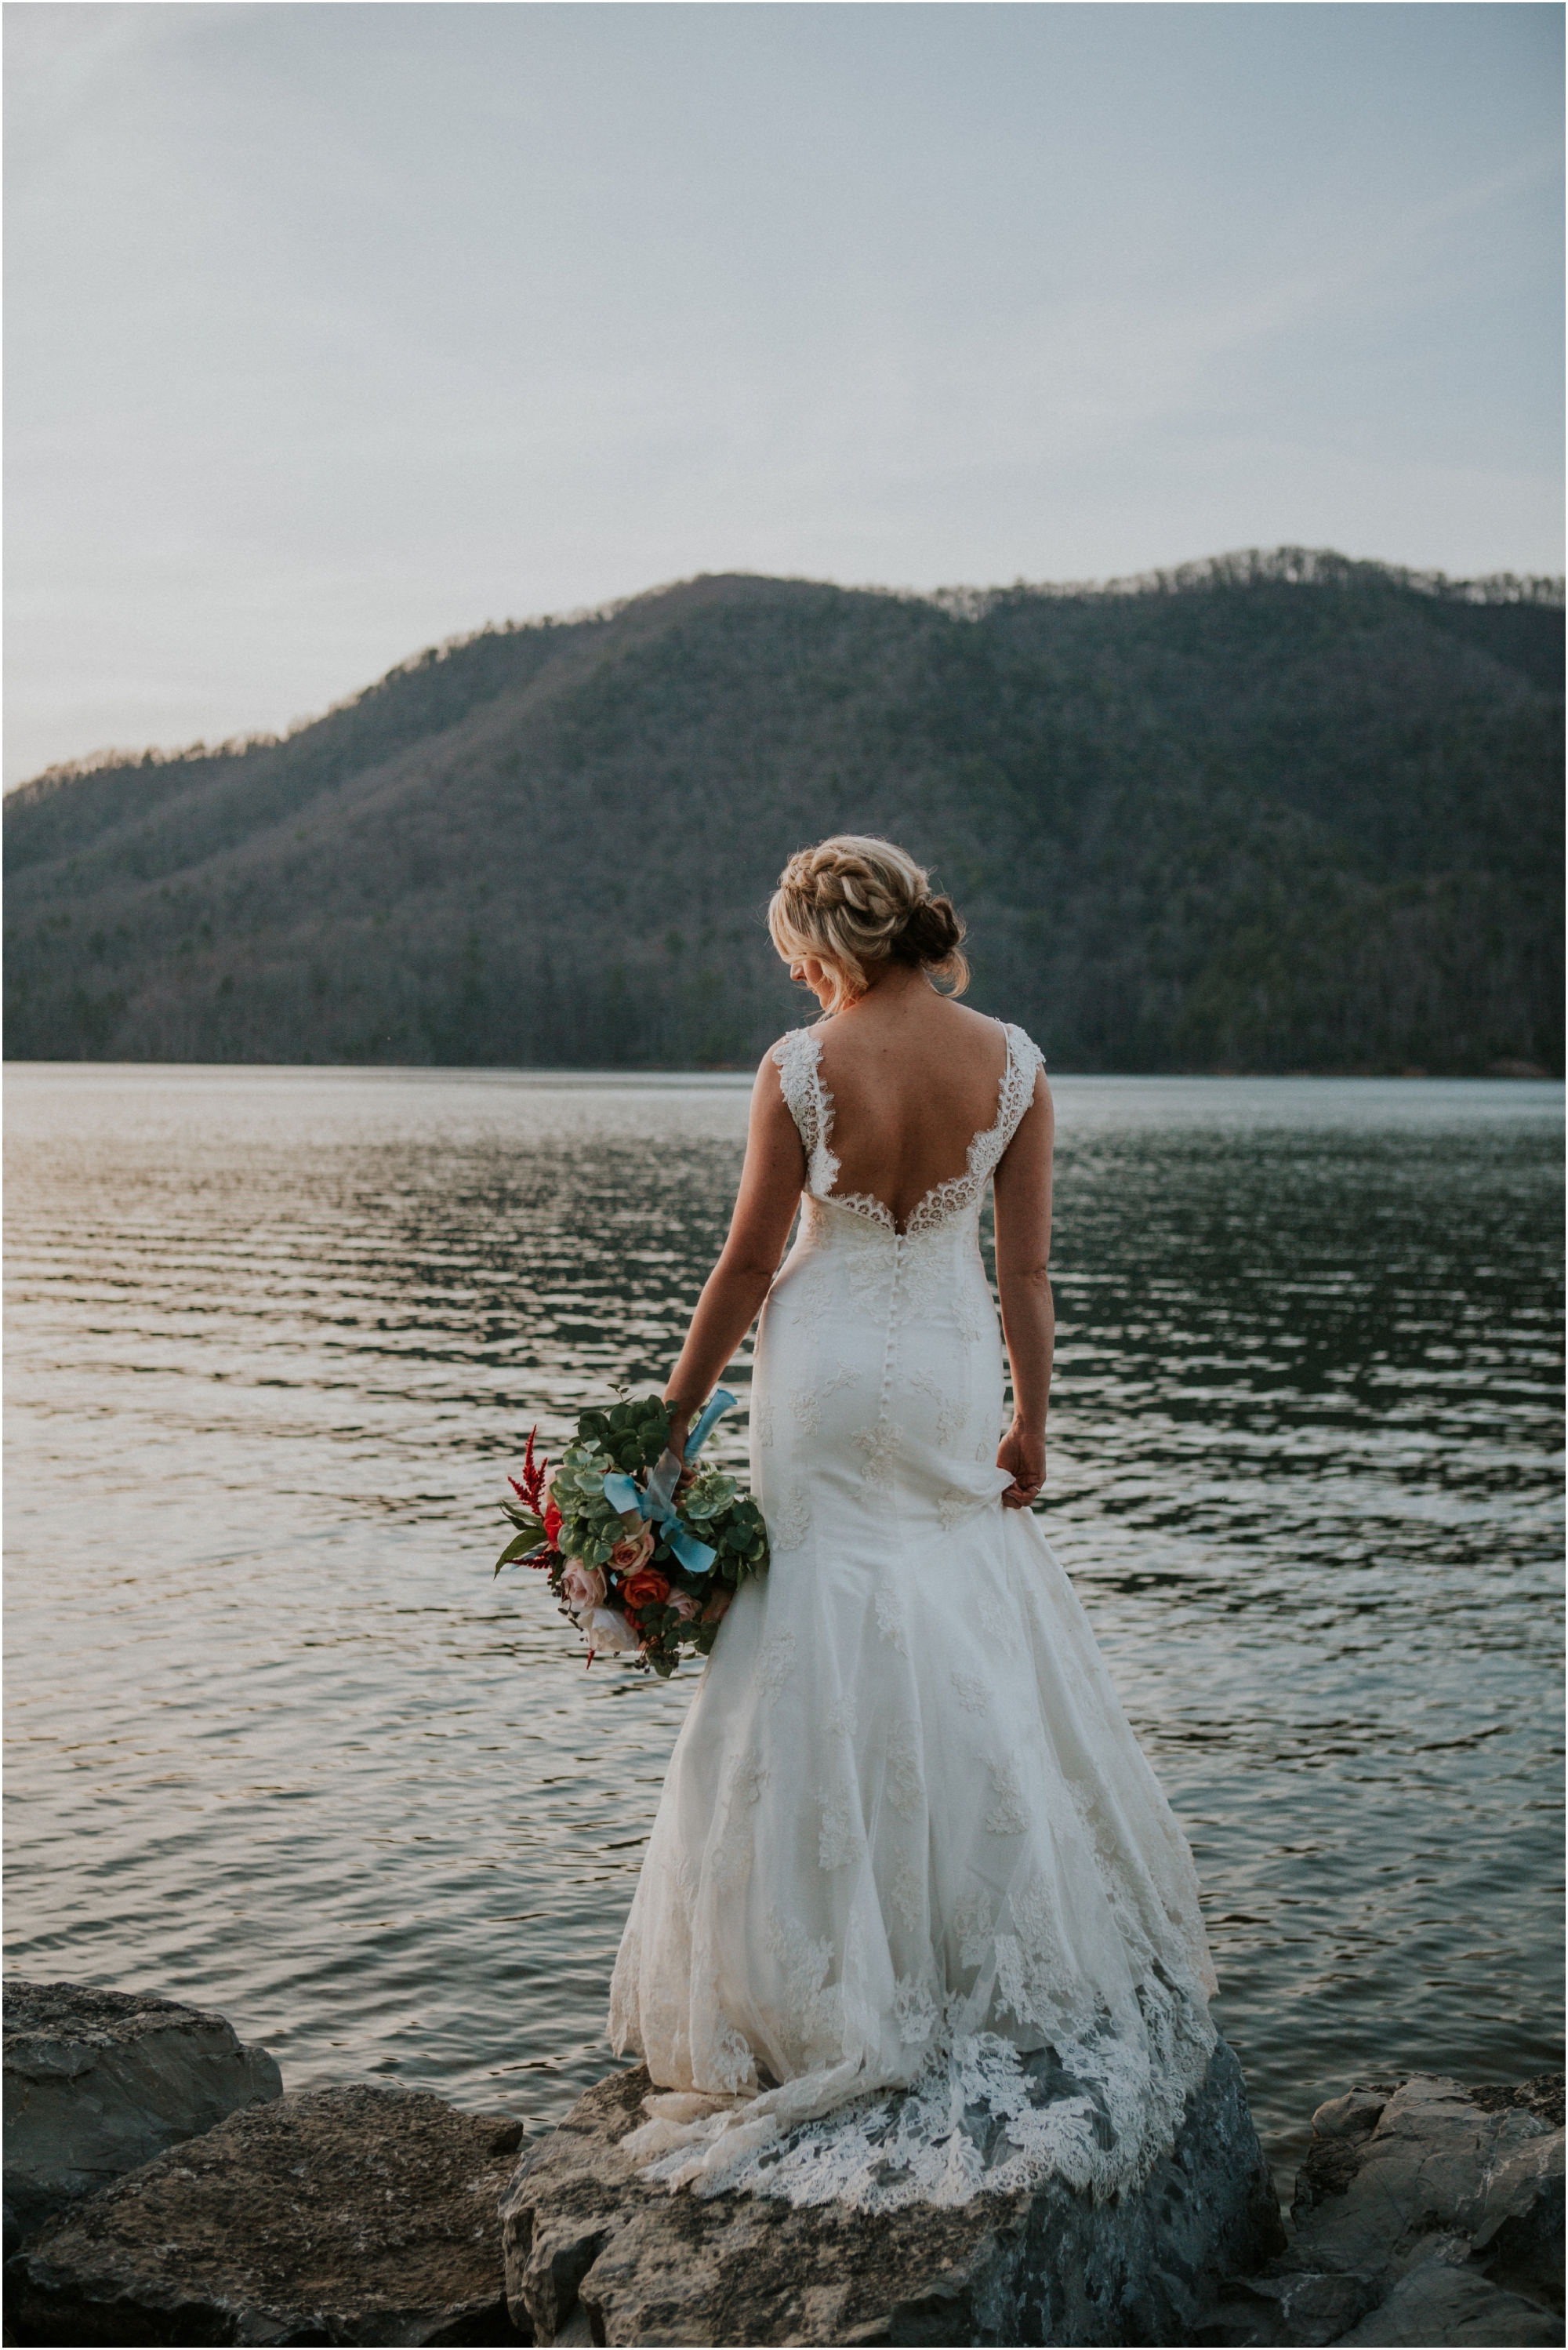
x,y
1276,812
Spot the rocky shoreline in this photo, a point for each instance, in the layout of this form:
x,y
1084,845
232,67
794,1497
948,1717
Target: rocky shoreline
x,y
161,2187
592,2254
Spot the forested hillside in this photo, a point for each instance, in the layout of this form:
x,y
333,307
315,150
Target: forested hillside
x,y
1280,813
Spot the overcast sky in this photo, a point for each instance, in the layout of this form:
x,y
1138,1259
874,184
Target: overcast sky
x,y
337,329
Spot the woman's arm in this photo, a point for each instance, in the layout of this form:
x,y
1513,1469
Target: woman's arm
x,y
1023,1191
770,1190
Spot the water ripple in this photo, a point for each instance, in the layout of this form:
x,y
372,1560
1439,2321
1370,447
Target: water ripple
x,y
277,1742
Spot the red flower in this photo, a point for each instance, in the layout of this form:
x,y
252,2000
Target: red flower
x,y
645,1585
533,1484
552,1525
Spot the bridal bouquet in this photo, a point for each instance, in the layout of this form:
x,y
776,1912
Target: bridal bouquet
x,y
644,1560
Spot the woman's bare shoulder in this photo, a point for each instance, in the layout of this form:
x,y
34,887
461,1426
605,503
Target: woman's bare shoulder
x,y
967,1032
978,1024
1002,1032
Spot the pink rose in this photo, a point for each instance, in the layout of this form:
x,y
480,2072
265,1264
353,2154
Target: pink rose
x,y
631,1550
685,1607
582,1587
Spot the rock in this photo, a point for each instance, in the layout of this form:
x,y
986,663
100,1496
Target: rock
x,y
592,2254
1352,2116
1435,2159
348,2215
1300,2308
1520,2235
1445,2299
1335,2154
1542,2096
1426,2214
99,2082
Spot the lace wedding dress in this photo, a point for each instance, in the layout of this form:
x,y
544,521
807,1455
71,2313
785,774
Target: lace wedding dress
x,y
908,1842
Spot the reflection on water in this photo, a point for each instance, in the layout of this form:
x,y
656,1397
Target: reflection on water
x,y
278,1743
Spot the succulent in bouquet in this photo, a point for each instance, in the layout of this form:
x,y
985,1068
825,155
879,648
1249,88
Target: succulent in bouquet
x,y
645,1552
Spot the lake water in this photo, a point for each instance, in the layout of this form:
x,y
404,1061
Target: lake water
x,y
278,1743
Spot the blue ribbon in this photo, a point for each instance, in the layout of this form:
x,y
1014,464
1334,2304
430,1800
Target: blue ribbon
x,y
718,1403
658,1504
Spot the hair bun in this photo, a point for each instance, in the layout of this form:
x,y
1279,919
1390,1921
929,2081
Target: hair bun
x,y
932,932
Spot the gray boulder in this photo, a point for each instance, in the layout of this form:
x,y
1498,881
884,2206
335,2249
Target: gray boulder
x,y
1425,2214
99,2082
345,2215
595,2254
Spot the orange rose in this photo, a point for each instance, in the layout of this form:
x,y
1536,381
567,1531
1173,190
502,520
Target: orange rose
x,y
644,1587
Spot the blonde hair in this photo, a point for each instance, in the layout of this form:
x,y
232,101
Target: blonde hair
x,y
856,903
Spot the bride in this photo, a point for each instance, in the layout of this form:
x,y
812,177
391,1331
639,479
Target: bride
x,y
914,1917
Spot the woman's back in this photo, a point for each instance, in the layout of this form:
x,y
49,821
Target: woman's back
x,y
913,1079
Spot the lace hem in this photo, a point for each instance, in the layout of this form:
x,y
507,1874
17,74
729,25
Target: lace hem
x,y
982,2115
798,1058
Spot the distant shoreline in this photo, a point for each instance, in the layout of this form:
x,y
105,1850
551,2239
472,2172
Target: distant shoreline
x,y
741,1073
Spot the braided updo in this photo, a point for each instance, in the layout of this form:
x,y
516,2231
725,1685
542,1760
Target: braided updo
x,y
856,904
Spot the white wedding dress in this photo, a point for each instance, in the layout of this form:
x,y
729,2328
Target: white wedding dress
x,y
907,1841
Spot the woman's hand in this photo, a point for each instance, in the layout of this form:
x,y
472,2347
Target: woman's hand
x,y
1022,1453
679,1430
679,1427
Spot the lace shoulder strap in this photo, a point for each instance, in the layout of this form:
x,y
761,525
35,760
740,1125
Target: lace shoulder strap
x,y
1023,1057
945,1200
809,1103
